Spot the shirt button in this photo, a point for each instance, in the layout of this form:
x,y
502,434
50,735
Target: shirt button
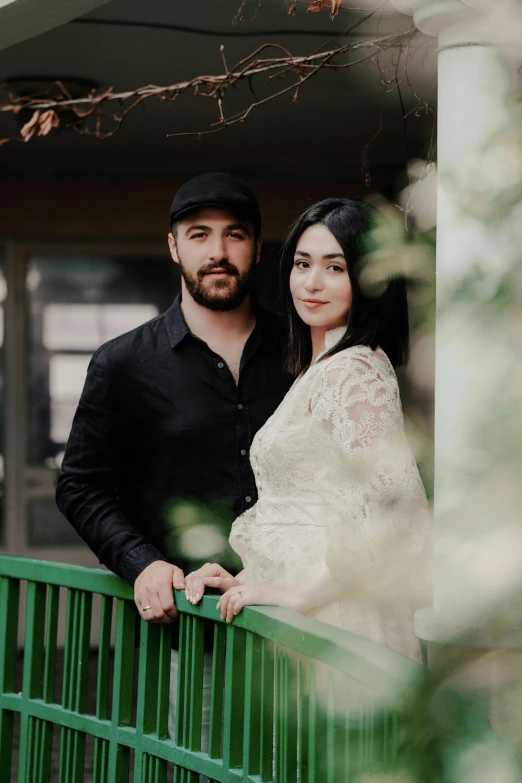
x,y
221,365
248,498
243,452
240,407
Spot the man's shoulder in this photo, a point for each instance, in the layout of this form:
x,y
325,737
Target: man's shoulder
x,y
125,345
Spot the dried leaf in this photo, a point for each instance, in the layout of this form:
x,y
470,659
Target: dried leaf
x,y
292,10
30,127
48,120
319,5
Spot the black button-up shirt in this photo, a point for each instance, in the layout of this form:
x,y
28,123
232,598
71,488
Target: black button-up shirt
x,y
161,422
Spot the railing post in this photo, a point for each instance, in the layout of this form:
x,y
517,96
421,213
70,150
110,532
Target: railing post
x,y
32,684
9,603
119,756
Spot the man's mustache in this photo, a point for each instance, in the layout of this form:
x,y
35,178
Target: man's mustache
x,y
224,265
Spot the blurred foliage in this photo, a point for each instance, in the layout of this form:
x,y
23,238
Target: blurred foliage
x,y
198,533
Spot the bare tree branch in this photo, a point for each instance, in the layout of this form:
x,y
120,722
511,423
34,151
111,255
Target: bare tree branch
x,y
91,114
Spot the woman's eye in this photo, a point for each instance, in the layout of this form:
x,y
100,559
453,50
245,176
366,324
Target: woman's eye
x,y
336,268
299,264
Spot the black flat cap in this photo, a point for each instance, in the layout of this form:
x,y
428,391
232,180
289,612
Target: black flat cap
x,y
217,189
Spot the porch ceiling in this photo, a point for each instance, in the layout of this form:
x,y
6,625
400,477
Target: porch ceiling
x,y
322,136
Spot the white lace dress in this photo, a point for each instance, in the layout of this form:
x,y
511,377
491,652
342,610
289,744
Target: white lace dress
x,y
337,483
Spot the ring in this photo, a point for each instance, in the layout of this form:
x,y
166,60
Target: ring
x,y
146,608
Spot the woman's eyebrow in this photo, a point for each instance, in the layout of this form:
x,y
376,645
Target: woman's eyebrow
x,y
327,257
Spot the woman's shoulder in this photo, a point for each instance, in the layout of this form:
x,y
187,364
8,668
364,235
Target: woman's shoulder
x,y
359,358
353,369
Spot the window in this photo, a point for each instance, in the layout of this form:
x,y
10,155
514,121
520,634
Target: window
x,y
75,304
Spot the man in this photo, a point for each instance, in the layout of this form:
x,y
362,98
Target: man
x,y
170,409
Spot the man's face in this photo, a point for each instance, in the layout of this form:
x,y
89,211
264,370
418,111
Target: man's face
x,y
217,254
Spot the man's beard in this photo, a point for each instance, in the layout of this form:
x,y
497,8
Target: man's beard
x,y
218,294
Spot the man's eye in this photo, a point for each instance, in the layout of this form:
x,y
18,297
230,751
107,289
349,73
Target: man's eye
x,y
236,235
198,235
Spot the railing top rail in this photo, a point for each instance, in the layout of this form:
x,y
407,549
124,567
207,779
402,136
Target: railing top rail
x,y
373,665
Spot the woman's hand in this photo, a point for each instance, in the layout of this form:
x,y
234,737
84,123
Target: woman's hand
x,y
209,575
239,596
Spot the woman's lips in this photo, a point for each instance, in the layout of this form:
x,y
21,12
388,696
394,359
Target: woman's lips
x,y
312,304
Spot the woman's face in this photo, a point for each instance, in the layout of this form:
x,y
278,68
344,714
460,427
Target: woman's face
x,y
319,281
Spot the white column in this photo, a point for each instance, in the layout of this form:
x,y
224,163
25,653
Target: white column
x,y
478,407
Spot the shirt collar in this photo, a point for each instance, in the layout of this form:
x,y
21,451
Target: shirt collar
x,y
177,327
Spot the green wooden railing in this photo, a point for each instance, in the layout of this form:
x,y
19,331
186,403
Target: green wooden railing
x,y
291,699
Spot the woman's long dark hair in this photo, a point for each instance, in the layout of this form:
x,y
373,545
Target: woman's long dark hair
x,y
374,320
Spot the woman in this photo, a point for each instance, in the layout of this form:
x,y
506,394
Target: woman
x,y
341,509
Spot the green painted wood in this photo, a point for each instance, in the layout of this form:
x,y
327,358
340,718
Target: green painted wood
x,y
267,709
185,670
180,712
162,712
195,696
100,763
217,690
292,709
297,691
285,716
234,704
93,580
280,714
374,665
9,603
331,716
303,675
51,634
119,756
79,675
32,679
152,706
312,727
252,714
68,773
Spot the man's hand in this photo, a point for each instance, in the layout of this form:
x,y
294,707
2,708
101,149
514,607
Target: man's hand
x,y
209,575
153,591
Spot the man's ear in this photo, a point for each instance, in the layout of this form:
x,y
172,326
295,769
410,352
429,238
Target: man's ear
x,y
173,248
258,250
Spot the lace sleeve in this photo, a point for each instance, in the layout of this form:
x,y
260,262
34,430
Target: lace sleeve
x,y
371,486
241,535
